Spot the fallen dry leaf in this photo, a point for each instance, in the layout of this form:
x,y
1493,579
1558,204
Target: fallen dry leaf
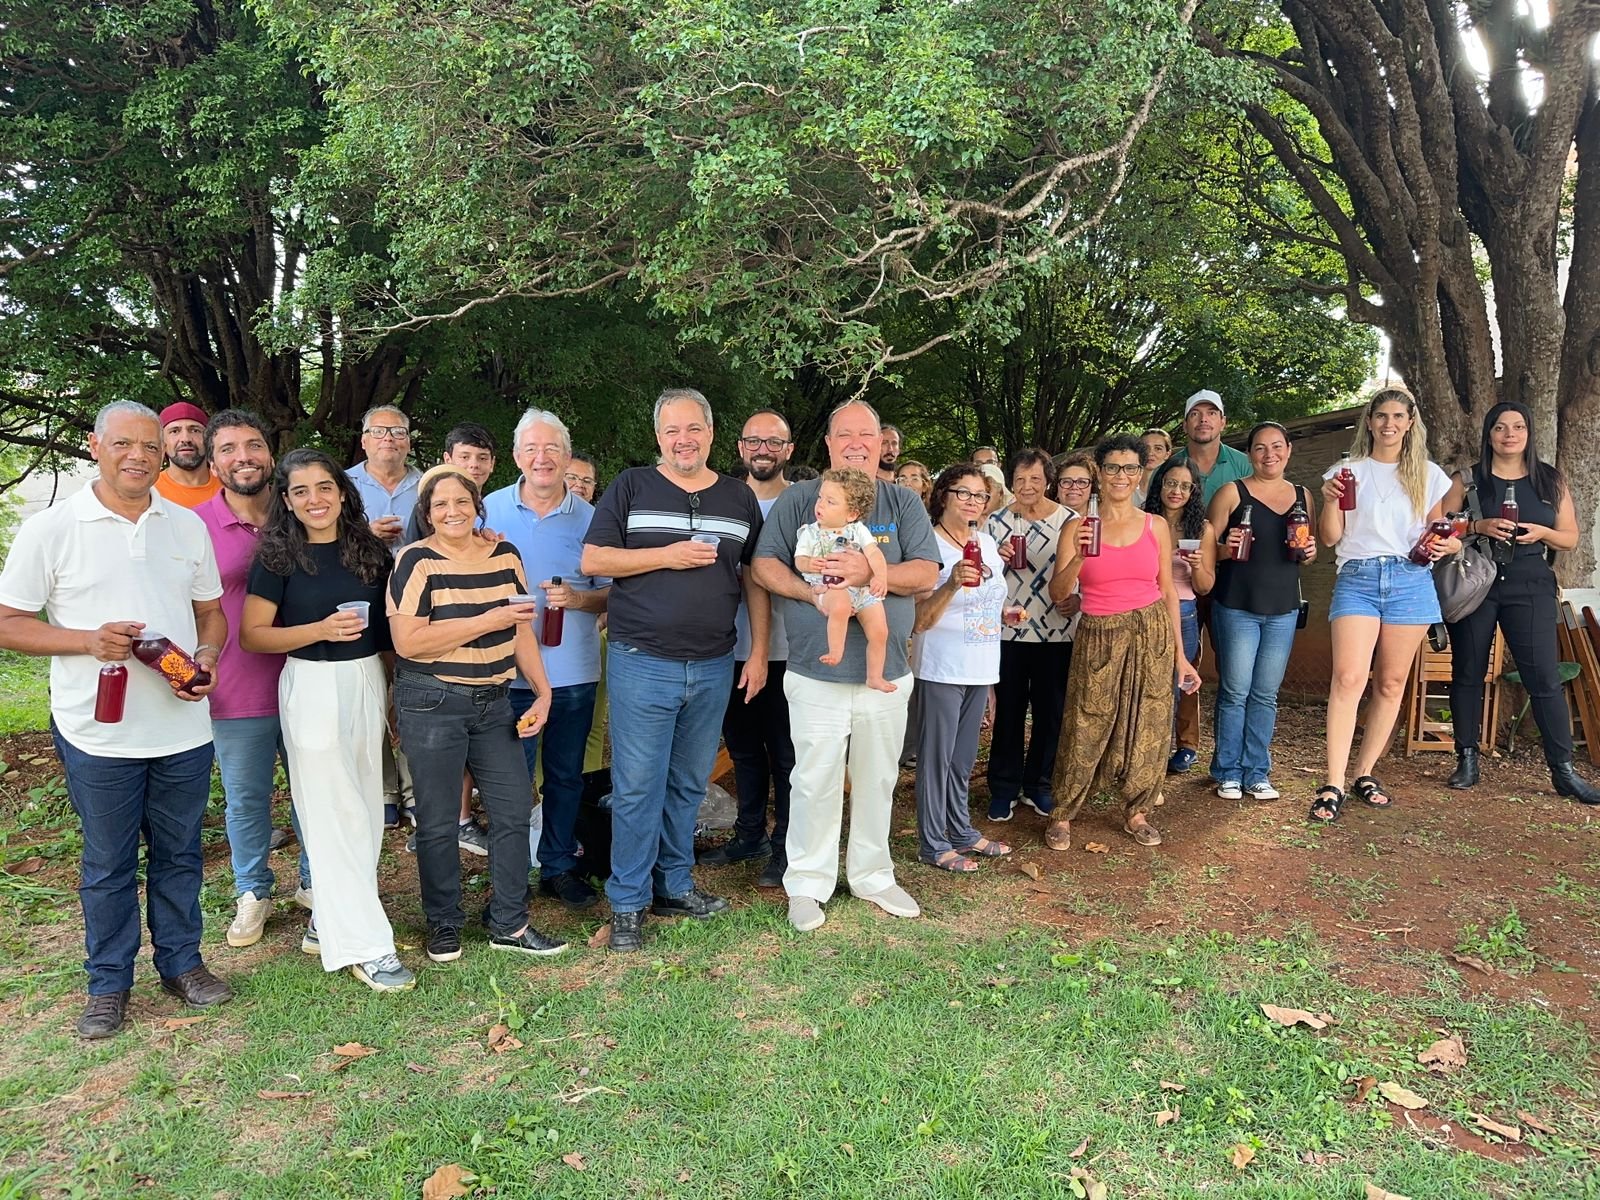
x,y
1290,1017
1364,1087
575,1161
1078,1152
1168,1086
1510,1132
1477,964
268,1094
1404,1097
684,1177
1243,1155
1093,1189
1374,1192
1167,1116
1031,870
1533,1122
599,938
353,1050
502,1040
1097,847
27,866
180,1022
1444,1056
447,1183
419,1069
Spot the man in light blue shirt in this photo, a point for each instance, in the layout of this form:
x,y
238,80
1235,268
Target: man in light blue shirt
x,y
388,485
547,524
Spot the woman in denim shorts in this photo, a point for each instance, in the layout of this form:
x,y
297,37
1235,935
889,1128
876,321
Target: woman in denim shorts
x,y
1383,603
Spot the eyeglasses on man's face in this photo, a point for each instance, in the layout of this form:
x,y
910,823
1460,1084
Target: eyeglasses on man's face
x,y
384,433
965,494
1112,470
574,477
756,443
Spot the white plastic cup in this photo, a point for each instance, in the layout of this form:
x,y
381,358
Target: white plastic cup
x,y
522,600
1189,545
707,539
363,607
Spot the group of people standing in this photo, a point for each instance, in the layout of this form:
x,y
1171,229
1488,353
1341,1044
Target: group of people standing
x,y
386,631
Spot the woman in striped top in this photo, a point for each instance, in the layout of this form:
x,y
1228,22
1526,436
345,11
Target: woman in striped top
x,y
462,623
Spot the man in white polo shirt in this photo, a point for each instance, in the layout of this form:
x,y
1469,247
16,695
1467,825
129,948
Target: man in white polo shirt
x,y
113,562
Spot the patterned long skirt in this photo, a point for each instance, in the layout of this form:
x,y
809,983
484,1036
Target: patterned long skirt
x,y
1118,719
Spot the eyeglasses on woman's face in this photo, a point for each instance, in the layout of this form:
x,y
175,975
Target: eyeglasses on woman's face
x,y
965,494
1071,483
1112,470
1176,487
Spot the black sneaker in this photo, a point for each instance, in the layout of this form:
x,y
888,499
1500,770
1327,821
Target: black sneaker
x,y
569,888
735,850
444,943
103,1015
772,874
529,941
693,903
626,934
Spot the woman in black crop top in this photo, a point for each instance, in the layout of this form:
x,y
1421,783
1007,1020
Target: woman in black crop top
x,y
1522,600
1254,607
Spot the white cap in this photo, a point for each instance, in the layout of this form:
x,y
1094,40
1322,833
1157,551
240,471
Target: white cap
x,y
1204,396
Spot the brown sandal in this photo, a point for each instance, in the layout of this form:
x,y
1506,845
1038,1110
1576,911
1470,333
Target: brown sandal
x,y
1146,834
988,848
1058,835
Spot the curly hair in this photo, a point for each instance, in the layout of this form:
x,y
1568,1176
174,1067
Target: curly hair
x,y
430,481
282,546
860,489
946,482
1192,516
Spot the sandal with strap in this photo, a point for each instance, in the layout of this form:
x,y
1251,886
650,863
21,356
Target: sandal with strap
x,y
952,860
987,848
1367,787
1146,834
1058,835
1325,808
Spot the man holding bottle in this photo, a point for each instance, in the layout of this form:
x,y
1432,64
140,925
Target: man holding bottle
x,y
105,566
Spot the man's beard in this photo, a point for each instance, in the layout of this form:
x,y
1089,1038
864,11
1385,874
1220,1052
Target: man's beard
x,y
887,464
187,460
766,472
245,489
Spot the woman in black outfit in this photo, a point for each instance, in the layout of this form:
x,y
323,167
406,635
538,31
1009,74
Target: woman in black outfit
x,y
1522,600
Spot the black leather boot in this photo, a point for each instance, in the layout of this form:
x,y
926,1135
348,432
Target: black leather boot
x,y
1569,783
1466,772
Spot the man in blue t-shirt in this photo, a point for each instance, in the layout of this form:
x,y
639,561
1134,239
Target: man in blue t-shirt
x,y
832,711
672,538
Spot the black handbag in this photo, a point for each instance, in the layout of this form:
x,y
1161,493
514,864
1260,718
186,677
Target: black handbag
x,y
1464,579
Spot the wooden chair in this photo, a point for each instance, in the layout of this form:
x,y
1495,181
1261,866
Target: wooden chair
x,y
1427,702
1575,642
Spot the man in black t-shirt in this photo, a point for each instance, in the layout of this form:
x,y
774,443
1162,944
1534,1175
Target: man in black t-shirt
x,y
673,539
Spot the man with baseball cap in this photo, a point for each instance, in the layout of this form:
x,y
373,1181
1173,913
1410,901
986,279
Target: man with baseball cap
x,y
187,479
1214,466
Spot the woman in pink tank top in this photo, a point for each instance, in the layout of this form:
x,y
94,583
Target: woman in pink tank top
x,y
1119,690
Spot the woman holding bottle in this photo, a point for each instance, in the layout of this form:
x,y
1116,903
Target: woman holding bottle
x,y
1266,527
1128,644
315,586
1379,506
462,621
1527,515
955,656
1175,495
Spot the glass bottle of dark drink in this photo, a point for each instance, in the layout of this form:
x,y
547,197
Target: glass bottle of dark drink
x,y
1299,536
156,651
111,694
554,619
1510,510
1347,482
1422,552
1018,558
972,555
839,544
1092,524
1247,536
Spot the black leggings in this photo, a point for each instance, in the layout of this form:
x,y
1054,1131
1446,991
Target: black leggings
x,y
1524,606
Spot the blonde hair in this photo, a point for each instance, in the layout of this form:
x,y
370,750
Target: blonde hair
x,y
1412,472
860,489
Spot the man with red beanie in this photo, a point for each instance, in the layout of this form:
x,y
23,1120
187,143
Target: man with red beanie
x,y
187,479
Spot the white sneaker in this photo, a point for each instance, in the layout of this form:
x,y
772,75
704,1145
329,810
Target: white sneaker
x,y
894,901
385,974
249,920
1230,790
805,914
302,897
1262,791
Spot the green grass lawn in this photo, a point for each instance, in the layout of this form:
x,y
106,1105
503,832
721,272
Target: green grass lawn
x,y
24,693
736,1059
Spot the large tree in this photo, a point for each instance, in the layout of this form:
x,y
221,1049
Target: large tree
x,y
1451,153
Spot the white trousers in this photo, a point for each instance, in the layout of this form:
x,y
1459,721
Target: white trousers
x,y
828,722
333,716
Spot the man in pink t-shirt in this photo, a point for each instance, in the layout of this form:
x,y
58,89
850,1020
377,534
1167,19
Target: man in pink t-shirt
x,y
244,710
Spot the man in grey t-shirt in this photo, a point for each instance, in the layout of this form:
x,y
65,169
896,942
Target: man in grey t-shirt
x,y
832,711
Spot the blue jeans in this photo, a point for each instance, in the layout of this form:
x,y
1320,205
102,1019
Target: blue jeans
x,y
666,716
247,748
564,738
1189,622
1252,655
118,800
